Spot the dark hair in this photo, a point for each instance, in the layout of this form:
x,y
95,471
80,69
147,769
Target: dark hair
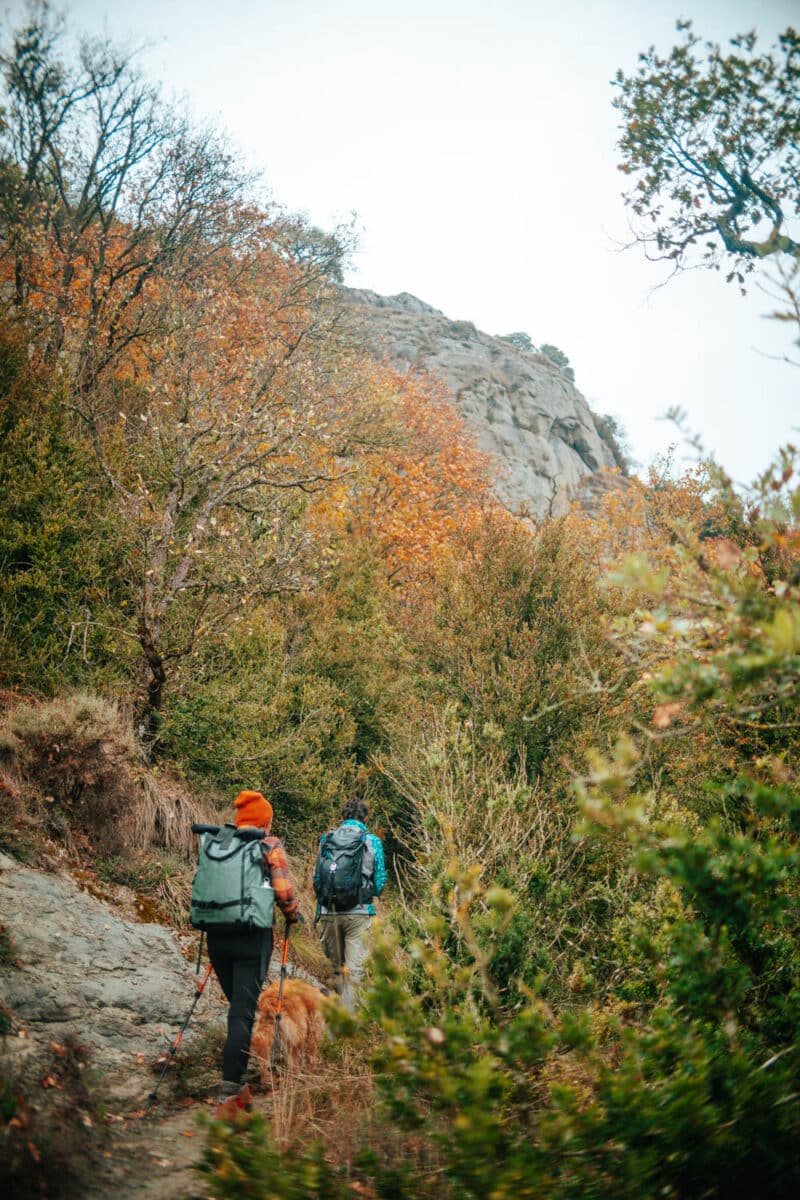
x,y
355,810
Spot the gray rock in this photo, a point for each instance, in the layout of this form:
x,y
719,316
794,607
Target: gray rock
x,y
121,988
403,300
524,412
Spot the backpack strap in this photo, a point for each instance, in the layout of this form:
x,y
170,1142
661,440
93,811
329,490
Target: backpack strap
x,y
223,844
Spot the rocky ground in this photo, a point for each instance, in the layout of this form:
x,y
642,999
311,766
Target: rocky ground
x,y
81,971
150,1159
92,997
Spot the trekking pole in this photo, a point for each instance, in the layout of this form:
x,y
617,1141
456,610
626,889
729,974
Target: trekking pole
x,y
174,1047
279,1005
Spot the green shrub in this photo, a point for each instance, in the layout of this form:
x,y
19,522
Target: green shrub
x,y
680,1077
242,1161
296,701
695,1099
64,594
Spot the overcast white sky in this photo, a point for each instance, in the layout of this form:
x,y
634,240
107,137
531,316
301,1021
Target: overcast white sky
x,y
475,141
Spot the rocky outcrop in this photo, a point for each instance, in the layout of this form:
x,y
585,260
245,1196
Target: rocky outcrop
x,y
522,408
80,971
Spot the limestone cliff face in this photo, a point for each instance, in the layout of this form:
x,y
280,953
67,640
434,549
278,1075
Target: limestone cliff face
x,y
523,410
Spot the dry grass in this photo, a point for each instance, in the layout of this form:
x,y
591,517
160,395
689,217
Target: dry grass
x,y
74,771
79,755
332,1100
162,814
306,954
336,1101
8,745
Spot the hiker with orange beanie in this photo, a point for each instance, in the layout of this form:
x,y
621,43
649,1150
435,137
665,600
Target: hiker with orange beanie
x,y
240,958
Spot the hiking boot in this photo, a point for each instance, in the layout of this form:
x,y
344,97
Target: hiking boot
x,y
231,1107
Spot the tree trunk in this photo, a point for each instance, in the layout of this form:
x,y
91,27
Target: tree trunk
x,y
148,717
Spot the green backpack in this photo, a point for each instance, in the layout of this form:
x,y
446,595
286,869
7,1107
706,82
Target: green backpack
x,y
231,889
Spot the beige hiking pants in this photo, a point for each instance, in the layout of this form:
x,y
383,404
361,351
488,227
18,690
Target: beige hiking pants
x,y
345,940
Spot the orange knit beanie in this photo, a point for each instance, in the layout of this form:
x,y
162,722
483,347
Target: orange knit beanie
x,y
252,809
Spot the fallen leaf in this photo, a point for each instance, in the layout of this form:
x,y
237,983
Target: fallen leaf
x,y
188,1133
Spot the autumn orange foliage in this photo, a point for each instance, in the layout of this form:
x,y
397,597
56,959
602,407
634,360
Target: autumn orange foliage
x,y
240,428
644,517
424,481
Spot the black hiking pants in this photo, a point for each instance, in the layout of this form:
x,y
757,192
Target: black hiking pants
x,y
240,962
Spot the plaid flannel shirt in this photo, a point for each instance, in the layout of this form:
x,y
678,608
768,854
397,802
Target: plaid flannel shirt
x,y
276,866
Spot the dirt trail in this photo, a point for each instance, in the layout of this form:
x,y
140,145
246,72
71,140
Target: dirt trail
x,y
150,1158
153,1157
84,985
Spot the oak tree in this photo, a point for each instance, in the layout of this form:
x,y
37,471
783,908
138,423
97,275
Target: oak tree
x,y
417,482
105,188
223,425
711,140
182,323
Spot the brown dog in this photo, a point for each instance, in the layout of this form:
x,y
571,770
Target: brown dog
x,y
301,1026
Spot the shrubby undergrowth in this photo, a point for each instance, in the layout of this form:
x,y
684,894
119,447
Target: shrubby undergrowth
x,y
235,551
669,1063
589,794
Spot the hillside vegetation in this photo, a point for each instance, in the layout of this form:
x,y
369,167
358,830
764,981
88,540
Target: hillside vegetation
x,y
238,551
